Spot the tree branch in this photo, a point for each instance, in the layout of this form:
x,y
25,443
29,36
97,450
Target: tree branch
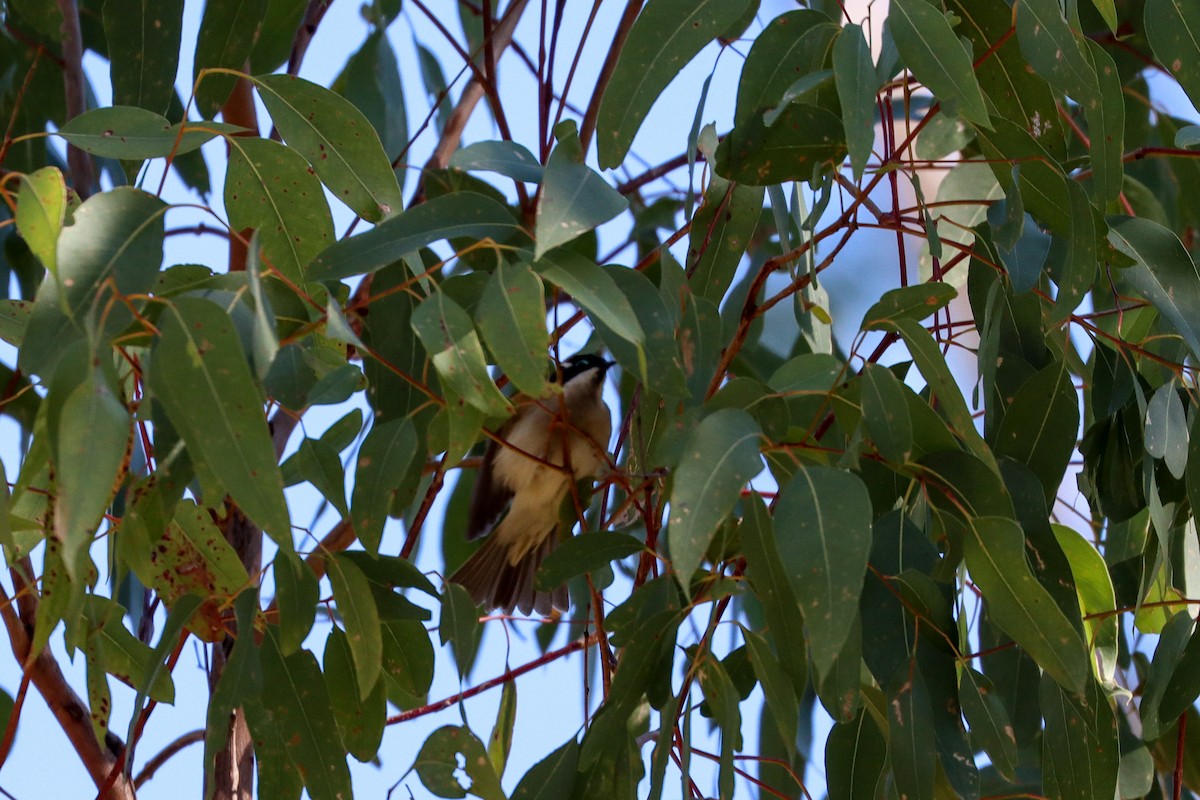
x,y
75,87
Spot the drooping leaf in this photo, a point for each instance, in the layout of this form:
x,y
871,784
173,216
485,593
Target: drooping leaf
x,y
457,354
594,290
201,377
1041,426
356,605
823,532
460,626
720,457
1174,34
41,211
360,720
989,721
382,462
512,318
143,39
116,236
1080,751
665,37
794,147
885,413
855,758
721,231
295,709
854,73
995,555
1162,271
227,34
936,57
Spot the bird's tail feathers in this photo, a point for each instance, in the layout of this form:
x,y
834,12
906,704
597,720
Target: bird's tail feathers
x,y
495,583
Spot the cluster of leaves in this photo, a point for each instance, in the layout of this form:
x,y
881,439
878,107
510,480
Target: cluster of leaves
x,y
882,550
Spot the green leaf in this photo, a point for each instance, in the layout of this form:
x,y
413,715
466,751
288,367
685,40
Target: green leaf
x,y
937,374
586,552
500,742
450,216
115,242
1040,426
270,188
157,675
382,462
143,39
574,199
720,457
659,363
793,147
855,758
1080,754
296,710
1162,271
777,688
909,724
553,777
1166,428
92,440
989,722
296,594
767,575
505,158
371,81
854,73
200,375
317,462
995,555
792,48
338,141
352,593
453,346
916,302
1173,29
41,211
1097,601
1054,50
885,413
721,231
408,658
439,759
193,557
226,38
826,514
460,626
937,58
666,36
360,720
1173,643
593,290
1105,114
512,318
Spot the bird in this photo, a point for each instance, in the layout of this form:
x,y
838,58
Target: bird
x,y
527,470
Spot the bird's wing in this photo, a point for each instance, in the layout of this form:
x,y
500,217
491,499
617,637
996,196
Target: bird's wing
x,y
490,498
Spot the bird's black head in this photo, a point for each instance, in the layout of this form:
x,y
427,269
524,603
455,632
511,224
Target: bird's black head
x,y
578,364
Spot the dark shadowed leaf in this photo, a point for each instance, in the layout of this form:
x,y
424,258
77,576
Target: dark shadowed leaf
x,y
439,760
855,758
227,34
586,552
460,626
988,718
1079,752
1162,271
382,463
360,720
